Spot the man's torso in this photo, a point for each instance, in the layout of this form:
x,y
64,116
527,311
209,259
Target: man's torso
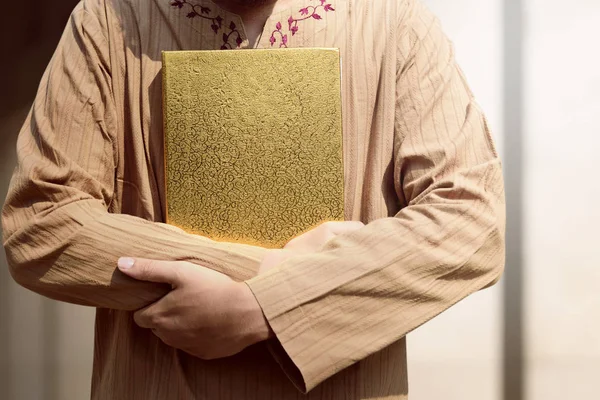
x,y
131,362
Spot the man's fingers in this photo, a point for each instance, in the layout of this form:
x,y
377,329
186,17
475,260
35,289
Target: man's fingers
x,y
145,317
150,270
341,227
317,237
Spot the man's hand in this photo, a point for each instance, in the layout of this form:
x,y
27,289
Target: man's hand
x,y
207,314
308,242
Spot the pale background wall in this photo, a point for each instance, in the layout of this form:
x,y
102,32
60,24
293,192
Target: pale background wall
x,y
562,199
45,347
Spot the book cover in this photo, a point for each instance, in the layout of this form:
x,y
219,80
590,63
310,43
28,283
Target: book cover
x,y
253,143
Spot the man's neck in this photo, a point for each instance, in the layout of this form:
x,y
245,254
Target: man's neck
x,y
242,7
254,13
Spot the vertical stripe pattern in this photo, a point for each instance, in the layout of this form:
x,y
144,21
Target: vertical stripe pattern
x,y
420,170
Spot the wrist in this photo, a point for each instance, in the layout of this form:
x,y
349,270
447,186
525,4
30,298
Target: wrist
x,y
254,324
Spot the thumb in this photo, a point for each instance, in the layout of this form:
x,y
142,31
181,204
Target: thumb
x,y
150,270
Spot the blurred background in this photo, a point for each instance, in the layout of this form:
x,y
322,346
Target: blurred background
x,y
535,67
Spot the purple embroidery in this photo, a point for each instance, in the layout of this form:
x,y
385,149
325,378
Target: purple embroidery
x,y
305,13
200,11
232,30
216,21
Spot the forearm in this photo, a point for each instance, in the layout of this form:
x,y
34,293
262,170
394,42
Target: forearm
x,y
368,289
71,253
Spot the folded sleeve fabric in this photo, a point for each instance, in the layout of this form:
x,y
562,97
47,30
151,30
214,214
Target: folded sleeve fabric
x,y
60,238
366,290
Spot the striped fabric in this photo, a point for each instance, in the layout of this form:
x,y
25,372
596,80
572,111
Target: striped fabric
x,y
420,170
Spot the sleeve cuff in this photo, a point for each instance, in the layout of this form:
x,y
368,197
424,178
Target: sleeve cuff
x,y
296,340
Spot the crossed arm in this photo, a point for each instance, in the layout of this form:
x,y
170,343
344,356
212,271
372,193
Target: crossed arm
x,y
60,238
208,314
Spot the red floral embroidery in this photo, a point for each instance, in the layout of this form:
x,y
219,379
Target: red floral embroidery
x,y
197,10
284,37
305,13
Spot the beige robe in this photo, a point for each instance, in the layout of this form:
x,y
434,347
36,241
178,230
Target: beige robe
x,y
420,170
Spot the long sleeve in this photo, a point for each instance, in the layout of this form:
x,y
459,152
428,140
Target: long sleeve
x,y
59,237
366,290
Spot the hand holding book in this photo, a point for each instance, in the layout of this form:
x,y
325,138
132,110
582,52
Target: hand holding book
x,y
253,154
207,314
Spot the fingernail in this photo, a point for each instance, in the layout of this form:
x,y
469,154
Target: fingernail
x,y
125,263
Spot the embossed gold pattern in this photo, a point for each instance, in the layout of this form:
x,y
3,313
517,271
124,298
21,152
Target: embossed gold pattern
x,y
253,142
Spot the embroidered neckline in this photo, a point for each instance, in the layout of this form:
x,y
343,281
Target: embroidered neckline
x,y
200,11
277,35
305,13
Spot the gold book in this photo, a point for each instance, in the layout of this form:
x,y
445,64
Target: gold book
x,y
253,143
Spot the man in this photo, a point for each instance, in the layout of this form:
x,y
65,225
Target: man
x,y
183,317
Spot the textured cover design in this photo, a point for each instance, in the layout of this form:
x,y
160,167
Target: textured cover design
x,y
253,142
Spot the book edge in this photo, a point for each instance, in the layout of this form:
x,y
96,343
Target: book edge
x,y
165,56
